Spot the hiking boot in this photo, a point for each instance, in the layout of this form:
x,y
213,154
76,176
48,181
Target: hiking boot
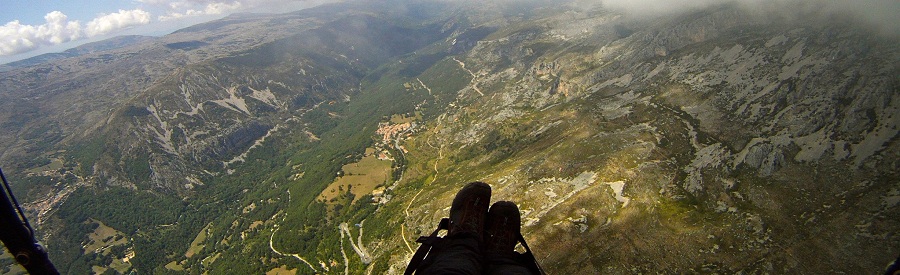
x,y
469,209
503,228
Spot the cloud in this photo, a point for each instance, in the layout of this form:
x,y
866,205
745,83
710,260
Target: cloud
x,y
881,14
656,7
177,9
108,23
180,9
884,15
16,37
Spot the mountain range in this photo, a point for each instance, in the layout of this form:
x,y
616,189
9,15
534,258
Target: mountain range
x,y
723,139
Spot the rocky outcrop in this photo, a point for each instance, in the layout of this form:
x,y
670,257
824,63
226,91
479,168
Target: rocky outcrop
x,y
724,125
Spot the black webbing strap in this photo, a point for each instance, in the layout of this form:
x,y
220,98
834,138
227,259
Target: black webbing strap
x,y
532,262
18,236
426,243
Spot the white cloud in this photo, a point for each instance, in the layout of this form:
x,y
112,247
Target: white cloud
x,y
108,23
18,38
656,7
179,9
221,8
176,9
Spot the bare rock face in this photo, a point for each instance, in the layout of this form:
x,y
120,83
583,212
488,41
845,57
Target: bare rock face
x,y
719,140
731,133
177,103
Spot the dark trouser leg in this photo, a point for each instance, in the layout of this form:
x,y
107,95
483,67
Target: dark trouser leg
x,y
458,255
505,264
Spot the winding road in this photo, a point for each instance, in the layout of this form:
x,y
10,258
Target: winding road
x,y
436,173
474,81
272,247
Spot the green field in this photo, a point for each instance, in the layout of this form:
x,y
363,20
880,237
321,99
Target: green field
x,y
174,266
9,267
360,178
197,244
103,238
283,270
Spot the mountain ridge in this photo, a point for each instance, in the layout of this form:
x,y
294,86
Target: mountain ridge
x,y
103,45
717,140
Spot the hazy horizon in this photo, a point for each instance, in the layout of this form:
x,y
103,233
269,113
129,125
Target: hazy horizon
x,y
160,17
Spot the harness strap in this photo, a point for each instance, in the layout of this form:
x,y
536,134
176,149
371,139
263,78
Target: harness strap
x,y
530,257
18,236
15,203
426,243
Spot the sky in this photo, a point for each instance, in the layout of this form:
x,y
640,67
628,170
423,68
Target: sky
x,y
32,27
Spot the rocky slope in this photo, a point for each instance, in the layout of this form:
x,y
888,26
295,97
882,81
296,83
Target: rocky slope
x,y
725,139
718,140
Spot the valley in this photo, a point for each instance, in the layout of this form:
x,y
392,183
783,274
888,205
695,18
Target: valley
x,y
718,140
